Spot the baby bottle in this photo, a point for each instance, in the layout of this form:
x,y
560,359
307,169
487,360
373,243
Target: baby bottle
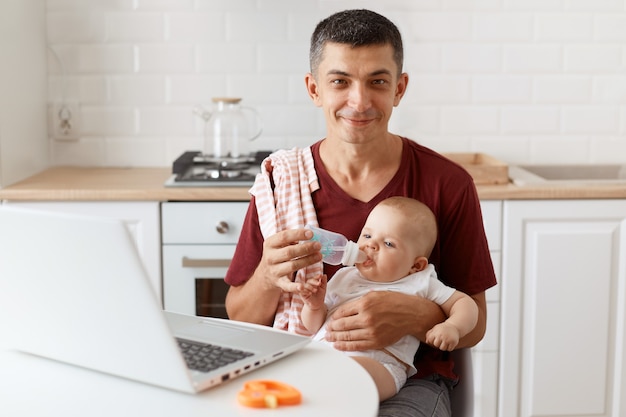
x,y
336,249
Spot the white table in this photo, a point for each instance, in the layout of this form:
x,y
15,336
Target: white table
x,y
331,384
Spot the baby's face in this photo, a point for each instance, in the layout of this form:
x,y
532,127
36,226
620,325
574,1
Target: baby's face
x,y
390,248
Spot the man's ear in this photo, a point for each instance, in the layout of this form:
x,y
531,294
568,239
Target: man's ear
x,y
403,82
311,88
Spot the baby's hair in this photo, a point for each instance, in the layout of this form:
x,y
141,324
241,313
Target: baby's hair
x,y
419,217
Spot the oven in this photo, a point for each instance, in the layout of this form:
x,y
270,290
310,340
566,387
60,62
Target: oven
x,y
198,242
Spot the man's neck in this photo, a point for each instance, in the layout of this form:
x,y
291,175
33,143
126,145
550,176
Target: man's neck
x,y
362,170
347,157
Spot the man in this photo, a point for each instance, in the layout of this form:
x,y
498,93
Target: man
x,y
356,79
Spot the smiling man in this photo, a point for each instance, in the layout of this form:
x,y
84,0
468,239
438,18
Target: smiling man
x,y
357,88
356,79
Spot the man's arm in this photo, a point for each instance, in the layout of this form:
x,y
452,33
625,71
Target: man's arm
x,y
253,302
380,318
257,299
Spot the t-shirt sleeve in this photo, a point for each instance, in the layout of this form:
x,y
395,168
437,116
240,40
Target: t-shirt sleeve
x,y
465,261
438,291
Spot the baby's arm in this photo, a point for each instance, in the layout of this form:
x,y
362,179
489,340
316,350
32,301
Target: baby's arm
x,y
462,314
314,311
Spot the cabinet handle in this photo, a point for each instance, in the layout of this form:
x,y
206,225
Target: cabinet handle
x,y
222,227
205,263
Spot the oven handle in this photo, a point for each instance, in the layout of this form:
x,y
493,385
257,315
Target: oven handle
x,y
205,263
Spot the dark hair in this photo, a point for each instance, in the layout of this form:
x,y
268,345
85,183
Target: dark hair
x,y
356,28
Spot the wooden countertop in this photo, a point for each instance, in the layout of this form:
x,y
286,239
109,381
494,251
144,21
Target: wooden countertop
x,y
146,184
113,184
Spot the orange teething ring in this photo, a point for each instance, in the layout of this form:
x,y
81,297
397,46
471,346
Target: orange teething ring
x,y
267,393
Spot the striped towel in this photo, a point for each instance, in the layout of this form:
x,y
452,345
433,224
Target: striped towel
x,y
287,206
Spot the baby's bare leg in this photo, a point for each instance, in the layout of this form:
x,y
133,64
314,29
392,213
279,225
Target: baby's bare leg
x,y
382,377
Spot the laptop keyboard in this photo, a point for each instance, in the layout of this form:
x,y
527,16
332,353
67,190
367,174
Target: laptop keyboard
x,y
204,357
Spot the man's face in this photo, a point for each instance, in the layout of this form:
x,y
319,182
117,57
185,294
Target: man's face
x,y
357,88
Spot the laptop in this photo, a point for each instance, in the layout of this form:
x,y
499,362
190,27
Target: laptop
x,y
73,288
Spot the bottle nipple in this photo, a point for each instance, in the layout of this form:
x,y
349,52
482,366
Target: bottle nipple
x,y
352,254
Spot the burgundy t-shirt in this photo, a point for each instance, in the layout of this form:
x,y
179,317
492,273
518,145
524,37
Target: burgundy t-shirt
x,y
461,256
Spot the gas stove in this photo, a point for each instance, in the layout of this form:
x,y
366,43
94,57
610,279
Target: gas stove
x,y
194,169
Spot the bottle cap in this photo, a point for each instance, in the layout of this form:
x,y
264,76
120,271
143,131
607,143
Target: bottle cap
x,y
352,254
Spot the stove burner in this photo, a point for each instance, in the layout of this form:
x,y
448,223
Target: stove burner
x,y
207,172
225,162
193,169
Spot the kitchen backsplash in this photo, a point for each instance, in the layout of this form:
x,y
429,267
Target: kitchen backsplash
x,y
523,80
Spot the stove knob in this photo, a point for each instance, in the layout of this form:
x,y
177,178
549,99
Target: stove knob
x,y
222,227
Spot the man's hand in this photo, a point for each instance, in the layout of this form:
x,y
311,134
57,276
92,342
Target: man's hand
x,y
379,319
283,254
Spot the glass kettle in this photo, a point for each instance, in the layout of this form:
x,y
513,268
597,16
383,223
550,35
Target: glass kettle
x,y
228,129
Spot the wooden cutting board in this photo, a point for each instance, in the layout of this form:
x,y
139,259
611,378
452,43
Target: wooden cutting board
x,y
483,168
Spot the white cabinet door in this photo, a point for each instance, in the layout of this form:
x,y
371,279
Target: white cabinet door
x,y
142,219
485,353
563,309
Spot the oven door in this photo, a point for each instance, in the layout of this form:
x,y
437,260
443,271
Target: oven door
x,y
193,278
199,240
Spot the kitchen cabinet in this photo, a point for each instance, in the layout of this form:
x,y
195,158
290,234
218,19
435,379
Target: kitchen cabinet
x,y
485,354
141,218
563,310
23,90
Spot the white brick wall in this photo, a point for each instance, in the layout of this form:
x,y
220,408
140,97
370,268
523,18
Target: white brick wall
x,y
524,80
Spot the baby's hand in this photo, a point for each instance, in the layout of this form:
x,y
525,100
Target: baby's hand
x,y
443,336
313,291
310,287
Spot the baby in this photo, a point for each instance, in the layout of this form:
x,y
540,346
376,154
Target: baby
x,y
398,237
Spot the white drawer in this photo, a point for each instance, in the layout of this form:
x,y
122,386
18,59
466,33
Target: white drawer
x,y
202,222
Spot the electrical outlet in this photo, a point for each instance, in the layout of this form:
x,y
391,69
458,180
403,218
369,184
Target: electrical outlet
x,y
66,120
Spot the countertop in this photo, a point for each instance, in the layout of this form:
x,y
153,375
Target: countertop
x,y
146,184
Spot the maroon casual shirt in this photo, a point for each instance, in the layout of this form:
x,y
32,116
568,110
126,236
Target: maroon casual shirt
x,y
461,256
